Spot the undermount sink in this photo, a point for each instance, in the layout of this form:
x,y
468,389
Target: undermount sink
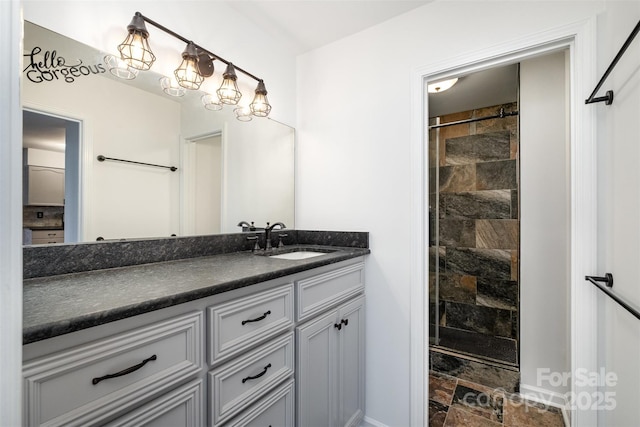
x,y
298,255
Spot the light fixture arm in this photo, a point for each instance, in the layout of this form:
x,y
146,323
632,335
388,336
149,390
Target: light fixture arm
x,y
200,48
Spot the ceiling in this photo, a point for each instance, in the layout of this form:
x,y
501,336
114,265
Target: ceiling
x,y
308,24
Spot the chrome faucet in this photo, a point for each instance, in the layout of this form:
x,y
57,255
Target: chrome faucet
x,y
267,234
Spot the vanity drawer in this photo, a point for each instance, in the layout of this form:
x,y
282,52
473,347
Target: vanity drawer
x,y
241,382
180,407
239,324
43,237
91,383
324,291
47,234
276,409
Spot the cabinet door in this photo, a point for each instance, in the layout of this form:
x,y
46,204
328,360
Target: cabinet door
x,y
316,371
46,186
351,363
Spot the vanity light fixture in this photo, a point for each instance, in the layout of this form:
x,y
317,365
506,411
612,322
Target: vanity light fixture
x,y
260,105
197,64
119,68
187,74
171,87
211,102
441,86
135,50
243,113
228,92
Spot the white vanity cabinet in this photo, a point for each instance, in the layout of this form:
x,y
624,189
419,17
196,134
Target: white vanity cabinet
x,y
253,356
330,348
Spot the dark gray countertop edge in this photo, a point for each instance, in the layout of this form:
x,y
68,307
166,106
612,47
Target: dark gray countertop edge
x,y
52,260
56,328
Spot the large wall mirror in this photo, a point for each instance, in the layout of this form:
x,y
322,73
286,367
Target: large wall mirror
x,y
76,110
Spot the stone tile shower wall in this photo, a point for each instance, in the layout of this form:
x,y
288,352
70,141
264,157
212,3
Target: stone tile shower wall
x,y
478,224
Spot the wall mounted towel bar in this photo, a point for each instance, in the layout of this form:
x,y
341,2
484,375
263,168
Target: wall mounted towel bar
x,y
608,281
102,158
608,98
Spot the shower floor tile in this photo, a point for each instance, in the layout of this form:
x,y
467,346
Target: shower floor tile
x,y
475,405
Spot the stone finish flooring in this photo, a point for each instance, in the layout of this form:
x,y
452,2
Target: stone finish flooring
x,y
454,402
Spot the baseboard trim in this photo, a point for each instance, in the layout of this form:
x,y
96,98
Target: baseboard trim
x,y
544,396
370,422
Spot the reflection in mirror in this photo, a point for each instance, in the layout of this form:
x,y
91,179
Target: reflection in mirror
x,y
228,171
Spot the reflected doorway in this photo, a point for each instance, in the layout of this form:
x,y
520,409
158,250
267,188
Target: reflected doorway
x,y
51,178
203,185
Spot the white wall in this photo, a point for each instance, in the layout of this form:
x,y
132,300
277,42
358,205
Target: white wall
x,y
619,211
354,152
545,202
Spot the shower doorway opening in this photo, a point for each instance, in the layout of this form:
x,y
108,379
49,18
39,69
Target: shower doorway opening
x,y
474,225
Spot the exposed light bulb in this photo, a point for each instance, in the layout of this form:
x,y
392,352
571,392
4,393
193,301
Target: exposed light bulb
x,y
228,92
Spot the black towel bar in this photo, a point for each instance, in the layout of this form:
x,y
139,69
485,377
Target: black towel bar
x,y
608,280
608,98
102,158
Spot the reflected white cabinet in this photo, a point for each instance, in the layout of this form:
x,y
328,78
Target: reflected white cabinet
x,y
43,186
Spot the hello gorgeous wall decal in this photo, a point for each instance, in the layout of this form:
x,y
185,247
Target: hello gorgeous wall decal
x,y
52,67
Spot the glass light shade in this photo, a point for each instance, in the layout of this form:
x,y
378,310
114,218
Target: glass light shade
x,y
441,86
228,92
135,49
260,105
187,73
243,113
119,68
171,87
211,102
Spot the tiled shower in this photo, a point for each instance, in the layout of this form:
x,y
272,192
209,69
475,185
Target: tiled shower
x,y
474,242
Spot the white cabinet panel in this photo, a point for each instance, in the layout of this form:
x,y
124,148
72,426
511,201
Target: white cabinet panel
x,y
90,383
182,407
323,291
241,381
241,323
276,410
44,186
330,368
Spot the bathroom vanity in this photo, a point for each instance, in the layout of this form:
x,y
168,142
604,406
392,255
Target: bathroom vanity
x,y
231,339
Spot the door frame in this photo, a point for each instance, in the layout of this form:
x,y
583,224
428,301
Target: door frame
x,y
579,38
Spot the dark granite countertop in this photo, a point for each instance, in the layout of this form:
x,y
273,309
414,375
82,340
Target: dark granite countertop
x,y
56,305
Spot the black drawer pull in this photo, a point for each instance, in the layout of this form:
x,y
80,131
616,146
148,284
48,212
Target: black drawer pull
x,y
244,380
257,319
338,326
345,322
124,372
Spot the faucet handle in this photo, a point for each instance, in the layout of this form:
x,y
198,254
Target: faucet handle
x,y
280,236
256,246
